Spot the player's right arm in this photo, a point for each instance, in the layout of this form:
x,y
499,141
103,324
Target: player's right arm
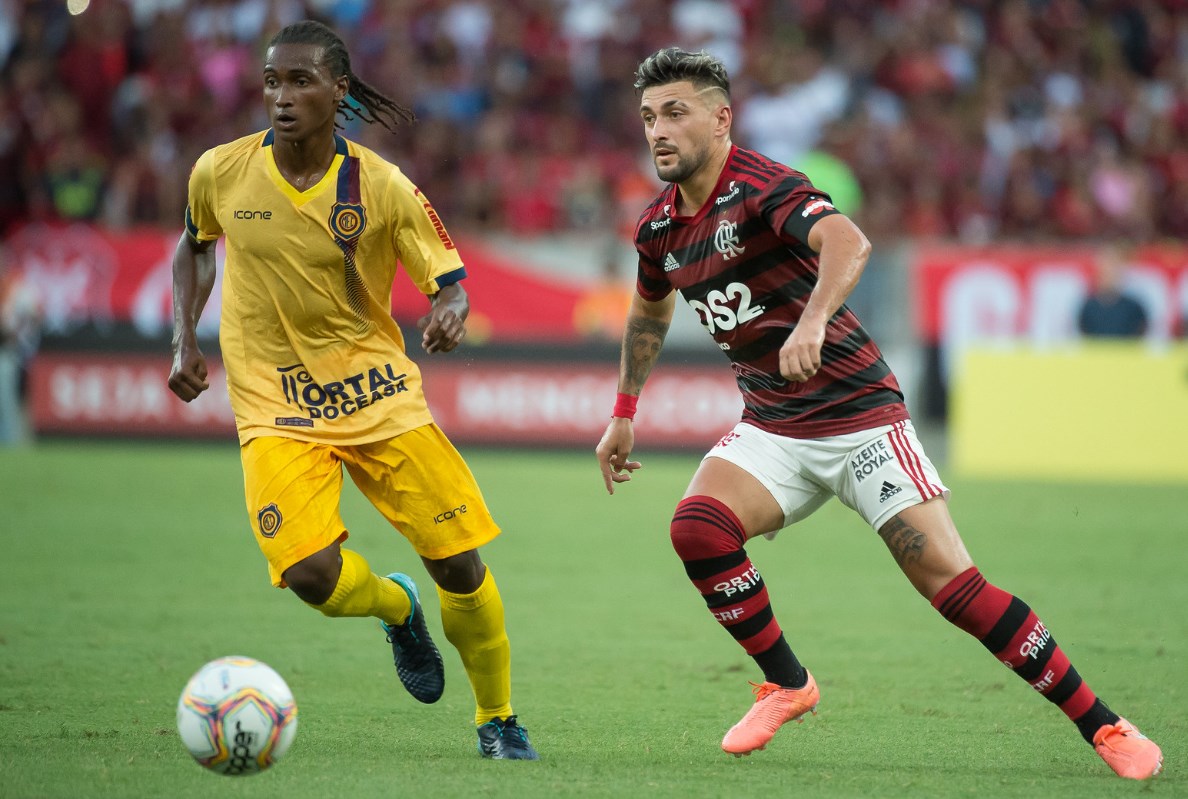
x,y
647,326
193,280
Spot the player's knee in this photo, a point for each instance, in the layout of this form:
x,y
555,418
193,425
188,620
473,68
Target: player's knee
x,y
314,579
703,527
458,574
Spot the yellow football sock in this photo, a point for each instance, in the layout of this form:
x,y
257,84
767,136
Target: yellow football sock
x,y
361,593
473,623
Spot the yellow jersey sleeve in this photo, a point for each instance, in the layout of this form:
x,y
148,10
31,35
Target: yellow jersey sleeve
x,y
201,220
421,242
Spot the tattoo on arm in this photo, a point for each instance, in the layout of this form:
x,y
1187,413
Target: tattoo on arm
x,y
905,542
641,348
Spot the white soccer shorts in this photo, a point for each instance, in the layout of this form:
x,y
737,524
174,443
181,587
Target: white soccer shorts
x,y
877,472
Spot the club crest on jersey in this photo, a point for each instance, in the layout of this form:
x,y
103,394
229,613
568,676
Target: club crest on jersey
x,y
269,519
726,239
347,220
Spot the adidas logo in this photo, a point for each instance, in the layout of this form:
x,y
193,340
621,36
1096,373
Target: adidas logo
x,y
671,263
887,492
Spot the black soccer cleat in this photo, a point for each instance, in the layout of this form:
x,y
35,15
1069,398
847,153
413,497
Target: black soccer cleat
x,y
505,739
418,662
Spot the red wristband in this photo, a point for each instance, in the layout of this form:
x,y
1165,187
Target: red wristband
x,y
625,406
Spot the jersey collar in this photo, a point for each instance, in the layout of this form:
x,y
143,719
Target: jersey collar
x,y
298,197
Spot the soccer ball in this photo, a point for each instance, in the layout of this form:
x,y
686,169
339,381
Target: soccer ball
x,y
236,716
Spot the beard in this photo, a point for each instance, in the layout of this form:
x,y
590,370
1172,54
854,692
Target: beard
x,y
684,168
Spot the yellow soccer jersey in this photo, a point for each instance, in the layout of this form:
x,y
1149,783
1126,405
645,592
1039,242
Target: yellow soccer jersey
x,y
307,336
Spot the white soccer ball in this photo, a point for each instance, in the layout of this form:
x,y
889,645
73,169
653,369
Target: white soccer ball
x,y
237,716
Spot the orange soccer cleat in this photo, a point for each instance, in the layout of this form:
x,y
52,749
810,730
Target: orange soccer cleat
x,y
774,706
1127,751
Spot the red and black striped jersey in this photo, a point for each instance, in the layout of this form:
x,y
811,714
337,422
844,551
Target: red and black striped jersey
x,y
744,265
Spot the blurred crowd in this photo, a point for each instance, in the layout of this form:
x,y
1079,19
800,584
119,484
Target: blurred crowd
x,y
976,120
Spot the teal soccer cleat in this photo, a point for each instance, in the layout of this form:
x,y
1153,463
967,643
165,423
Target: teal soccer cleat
x,y
418,662
505,739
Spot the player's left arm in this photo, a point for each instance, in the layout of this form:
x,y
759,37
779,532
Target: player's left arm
x,y
432,263
842,250
444,327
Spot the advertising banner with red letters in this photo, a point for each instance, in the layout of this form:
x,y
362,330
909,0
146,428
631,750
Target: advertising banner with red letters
x,y
570,404
90,278
1033,294
123,395
507,403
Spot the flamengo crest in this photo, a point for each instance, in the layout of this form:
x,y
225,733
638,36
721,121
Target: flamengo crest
x,y
726,239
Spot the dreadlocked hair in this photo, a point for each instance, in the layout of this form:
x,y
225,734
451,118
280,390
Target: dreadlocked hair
x,y
672,64
374,106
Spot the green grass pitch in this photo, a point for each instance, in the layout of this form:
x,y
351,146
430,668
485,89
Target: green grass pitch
x,y
127,566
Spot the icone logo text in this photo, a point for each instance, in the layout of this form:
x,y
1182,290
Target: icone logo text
x,y
244,214
449,514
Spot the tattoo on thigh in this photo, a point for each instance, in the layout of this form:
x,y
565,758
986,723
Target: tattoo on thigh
x,y
905,542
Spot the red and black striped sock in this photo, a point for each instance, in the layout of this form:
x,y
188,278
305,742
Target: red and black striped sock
x,y
709,539
1014,634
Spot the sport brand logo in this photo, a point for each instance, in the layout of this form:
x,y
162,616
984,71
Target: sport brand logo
x,y
888,491
734,192
671,263
726,239
445,516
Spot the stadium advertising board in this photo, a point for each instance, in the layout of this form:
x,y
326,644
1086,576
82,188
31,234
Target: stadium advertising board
x,y
1111,411
502,402
967,296
95,279
127,395
1005,322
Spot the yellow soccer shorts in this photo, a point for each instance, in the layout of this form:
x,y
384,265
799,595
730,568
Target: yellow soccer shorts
x,y
417,480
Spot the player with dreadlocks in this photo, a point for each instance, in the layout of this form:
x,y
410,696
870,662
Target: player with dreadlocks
x,y
318,375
